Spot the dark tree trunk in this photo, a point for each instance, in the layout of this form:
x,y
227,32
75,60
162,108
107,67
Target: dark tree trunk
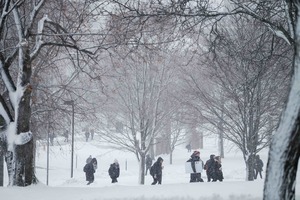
x,y
250,164
143,163
285,184
285,147
1,169
24,158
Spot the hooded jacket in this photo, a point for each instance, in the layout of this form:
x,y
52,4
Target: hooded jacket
x,y
157,167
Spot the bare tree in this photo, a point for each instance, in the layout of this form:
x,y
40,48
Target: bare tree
x,y
139,88
281,17
176,136
25,30
242,69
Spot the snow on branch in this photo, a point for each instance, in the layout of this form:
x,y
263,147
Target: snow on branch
x,y
7,79
33,14
279,31
39,38
23,138
6,9
4,111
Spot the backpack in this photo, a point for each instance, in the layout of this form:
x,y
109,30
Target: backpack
x,y
152,170
84,168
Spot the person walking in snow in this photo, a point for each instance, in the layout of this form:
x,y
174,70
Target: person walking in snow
x,y
209,167
196,176
156,171
258,167
114,171
189,147
87,134
148,163
218,174
90,169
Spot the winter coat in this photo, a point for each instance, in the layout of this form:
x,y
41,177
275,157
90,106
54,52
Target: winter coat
x,y
258,164
194,158
209,165
114,171
218,174
157,167
90,169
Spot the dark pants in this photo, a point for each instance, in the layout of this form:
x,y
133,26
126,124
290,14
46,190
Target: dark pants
x,y
256,173
196,177
114,180
89,177
209,177
157,179
218,176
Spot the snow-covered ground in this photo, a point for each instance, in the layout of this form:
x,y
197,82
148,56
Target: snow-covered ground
x,y
175,183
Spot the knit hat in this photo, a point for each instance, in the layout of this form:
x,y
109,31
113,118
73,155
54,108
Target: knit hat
x,y
196,152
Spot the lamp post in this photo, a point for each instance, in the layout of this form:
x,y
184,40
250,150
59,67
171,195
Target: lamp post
x,y
47,180
71,102
1,167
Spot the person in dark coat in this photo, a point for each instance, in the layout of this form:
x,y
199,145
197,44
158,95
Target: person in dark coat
x,y
209,167
189,147
258,167
148,163
114,171
196,176
90,169
156,171
87,134
218,174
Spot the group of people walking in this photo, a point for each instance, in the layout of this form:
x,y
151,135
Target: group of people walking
x,y
91,166
213,168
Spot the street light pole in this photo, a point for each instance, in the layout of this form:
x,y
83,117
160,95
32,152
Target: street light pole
x,y
1,168
47,180
71,102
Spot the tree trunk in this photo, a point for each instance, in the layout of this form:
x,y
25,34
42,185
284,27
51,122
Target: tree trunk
x,y
1,169
221,139
171,157
25,168
285,147
250,167
24,153
142,170
283,161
